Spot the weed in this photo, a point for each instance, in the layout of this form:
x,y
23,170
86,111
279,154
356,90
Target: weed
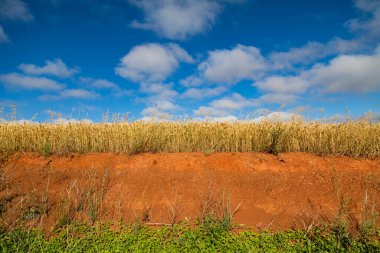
x,y
36,205
3,203
174,210
217,208
341,223
367,225
274,146
4,181
47,149
66,208
147,214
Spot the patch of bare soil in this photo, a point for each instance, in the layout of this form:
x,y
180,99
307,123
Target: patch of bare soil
x,y
263,191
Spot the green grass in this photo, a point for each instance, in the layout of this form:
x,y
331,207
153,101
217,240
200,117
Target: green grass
x,y
205,237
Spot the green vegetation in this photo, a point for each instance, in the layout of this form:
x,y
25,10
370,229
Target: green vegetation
x,y
205,237
354,139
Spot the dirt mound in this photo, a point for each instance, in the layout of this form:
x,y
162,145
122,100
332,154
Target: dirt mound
x,y
292,190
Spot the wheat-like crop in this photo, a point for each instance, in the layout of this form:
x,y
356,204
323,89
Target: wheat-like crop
x,y
355,139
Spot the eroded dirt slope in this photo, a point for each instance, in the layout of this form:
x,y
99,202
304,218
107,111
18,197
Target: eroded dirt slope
x,y
292,190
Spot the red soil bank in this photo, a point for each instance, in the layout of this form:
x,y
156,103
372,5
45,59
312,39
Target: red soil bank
x,y
292,190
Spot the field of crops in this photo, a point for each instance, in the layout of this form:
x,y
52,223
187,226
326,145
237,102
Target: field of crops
x,y
190,186
354,139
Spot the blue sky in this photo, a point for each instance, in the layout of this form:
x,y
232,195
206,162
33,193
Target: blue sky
x,y
216,59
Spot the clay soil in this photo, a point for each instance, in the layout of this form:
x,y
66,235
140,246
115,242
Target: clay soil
x,y
263,191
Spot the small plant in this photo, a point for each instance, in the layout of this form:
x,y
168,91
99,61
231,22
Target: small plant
x,y
3,203
217,209
341,223
66,214
4,181
93,205
274,146
36,206
367,225
47,149
174,210
147,214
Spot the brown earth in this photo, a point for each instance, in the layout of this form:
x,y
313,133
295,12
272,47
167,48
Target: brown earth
x,y
263,191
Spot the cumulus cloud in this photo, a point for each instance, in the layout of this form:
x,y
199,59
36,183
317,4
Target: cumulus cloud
x,y
177,20
225,107
15,10
152,62
232,102
64,121
278,117
159,102
202,93
342,74
370,23
160,110
192,81
281,84
103,84
311,52
71,93
55,67
98,83
78,93
3,36
208,111
348,73
232,66
14,81
158,91
277,98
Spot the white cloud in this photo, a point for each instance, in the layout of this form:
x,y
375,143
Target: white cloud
x,y
347,73
159,110
71,93
160,106
207,111
177,19
233,102
232,66
281,84
55,68
14,10
78,93
179,53
3,36
192,81
152,62
311,52
64,121
342,74
98,83
277,98
16,81
278,117
202,93
224,107
103,84
160,101
228,118
371,25
158,91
